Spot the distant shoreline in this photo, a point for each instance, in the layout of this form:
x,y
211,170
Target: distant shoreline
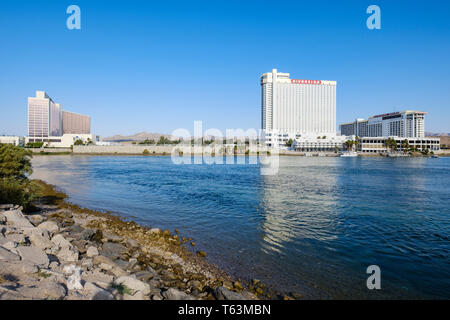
x,y
445,153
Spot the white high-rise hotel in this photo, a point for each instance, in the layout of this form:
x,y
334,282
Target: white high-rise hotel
x,y
47,122
297,109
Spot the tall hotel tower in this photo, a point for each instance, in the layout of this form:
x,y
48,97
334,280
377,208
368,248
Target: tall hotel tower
x,y
44,117
292,108
48,122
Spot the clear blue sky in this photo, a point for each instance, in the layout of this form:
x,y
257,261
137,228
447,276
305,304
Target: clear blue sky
x,y
160,65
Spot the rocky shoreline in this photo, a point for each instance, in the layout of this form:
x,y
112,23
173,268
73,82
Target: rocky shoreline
x,y
65,252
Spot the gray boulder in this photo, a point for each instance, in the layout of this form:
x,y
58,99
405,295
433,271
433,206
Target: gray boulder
x,y
133,244
86,234
39,238
97,293
49,226
36,219
110,237
17,219
134,284
113,250
33,255
45,290
61,242
222,293
67,254
92,252
174,294
7,255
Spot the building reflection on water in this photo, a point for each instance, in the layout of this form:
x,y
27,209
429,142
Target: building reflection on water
x,y
298,203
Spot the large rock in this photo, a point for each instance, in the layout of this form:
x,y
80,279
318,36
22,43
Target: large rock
x,y
17,219
50,226
61,242
108,265
17,238
87,264
39,238
113,250
67,254
33,255
144,275
36,219
132,244
110,237
10,245
97,277
222,293
86,234
8,255
92,252
45,290
174,294
102,259
97,293
134,284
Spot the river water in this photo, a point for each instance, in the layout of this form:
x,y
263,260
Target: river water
x,y
313,228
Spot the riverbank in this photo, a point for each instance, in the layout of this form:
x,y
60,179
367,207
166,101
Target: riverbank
x,y
152,150
66,252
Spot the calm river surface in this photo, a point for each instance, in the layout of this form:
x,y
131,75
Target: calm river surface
x,y
313,228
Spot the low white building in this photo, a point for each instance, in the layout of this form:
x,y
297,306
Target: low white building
x,y
406,123
320,144
14,140
64,141
378,144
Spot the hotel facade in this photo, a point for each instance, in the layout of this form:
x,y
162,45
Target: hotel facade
x,y
298,109
403,125
74,123
406,123
48,123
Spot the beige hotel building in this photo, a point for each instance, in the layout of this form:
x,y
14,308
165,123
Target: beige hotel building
x,y
47,122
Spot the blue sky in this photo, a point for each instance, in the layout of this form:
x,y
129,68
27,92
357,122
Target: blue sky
x,y
159,65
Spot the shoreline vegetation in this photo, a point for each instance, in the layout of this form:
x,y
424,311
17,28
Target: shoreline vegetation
x,y
53,249
55,152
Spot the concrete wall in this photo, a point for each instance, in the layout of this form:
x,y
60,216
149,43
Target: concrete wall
x,y
123,149
139,149
49,150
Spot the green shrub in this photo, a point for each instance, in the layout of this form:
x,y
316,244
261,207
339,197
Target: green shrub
x,y
145,152
78,142
15,166
34,144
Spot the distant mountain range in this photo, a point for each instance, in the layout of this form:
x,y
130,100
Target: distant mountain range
x,y
431,134
141,136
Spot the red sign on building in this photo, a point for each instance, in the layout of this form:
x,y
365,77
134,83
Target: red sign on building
x,y
299,81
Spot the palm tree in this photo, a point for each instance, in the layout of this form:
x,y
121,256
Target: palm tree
x,y
356,142
405,145
349,144
289,142
391,144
